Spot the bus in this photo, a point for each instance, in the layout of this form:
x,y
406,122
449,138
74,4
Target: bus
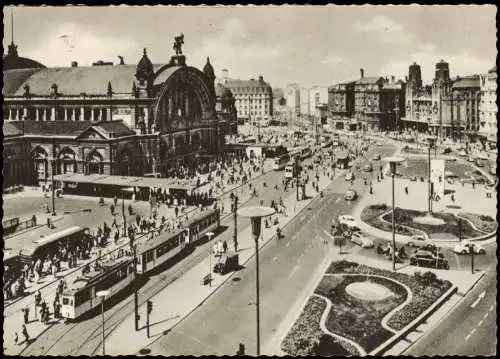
x,y
152,254
281,162
49,245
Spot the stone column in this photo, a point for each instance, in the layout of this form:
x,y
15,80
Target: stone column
x,y
108,116
25,113
66,114
37,110
101,116
92,114
82,114
53,114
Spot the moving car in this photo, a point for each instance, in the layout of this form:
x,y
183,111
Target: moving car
x,y
376,157
429,259
350,195
361,240
368,167
446,151
349,176
464,248
462,153
348,221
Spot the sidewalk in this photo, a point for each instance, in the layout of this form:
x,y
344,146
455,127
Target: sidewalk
x,y
170,309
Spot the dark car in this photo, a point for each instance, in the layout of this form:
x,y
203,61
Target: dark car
x,y
429,259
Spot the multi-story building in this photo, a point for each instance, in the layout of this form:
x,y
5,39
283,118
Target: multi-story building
x,y
226,110
464,105
419,109
292,97
253,98
369,103
488,107
107,119
318,99
305,109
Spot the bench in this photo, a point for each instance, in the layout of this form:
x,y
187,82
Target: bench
x,y
205,280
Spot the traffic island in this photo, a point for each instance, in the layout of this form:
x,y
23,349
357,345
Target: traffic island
x,y
441,226
357,310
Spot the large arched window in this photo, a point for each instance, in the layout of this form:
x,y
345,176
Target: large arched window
x,y
41,163
94,163
67,161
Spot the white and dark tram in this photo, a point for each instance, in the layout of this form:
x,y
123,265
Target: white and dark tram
x,y
116,274
113,275
157,251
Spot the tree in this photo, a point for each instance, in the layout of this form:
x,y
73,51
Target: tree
x,y
282,101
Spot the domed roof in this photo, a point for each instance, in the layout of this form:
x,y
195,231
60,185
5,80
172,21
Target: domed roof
x,y
208,70
13,61
144,67
222,91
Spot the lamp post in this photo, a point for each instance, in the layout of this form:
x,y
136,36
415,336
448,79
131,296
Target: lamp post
x,y
255,213
210,235
103,294
53,161
393,161
431,140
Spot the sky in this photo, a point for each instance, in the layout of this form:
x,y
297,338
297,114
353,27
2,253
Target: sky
x,y
309,45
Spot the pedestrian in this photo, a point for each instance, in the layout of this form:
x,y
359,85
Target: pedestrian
x,y
473,184
26,312
406,189
38,298
25,334
16,338
224,246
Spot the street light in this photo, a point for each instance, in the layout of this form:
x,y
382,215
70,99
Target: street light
x,y
431,141
394,161
210,235
103,294
255,213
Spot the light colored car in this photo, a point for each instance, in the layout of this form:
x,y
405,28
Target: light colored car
x,y
368,167
417,241
349,176
376,157
348,221
361,240
464,248
462,153
350,195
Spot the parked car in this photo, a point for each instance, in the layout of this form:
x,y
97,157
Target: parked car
x,y
464,248
349,222
349,176
350,195
428,259
462,153
417,240
446,151
361,240
368,167
376,157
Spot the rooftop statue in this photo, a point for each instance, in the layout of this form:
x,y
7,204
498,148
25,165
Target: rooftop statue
x,y
178,42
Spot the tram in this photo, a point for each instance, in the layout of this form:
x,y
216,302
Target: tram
x,y
155,252
281,162
113,275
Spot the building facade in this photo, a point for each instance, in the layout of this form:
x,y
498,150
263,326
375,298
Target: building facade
x,y
369,103
292,97
253,98
109,119
488,107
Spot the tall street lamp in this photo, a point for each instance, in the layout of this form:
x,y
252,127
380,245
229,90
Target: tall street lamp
x,y
255,213
393,161
103,294
210,235
431,141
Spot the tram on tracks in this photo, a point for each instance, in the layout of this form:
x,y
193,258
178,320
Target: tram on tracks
x,y
112,275
117,273
157,251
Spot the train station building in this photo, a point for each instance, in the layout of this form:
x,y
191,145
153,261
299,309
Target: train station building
x,y
110,119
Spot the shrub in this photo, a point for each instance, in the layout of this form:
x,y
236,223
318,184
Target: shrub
x,y
486,218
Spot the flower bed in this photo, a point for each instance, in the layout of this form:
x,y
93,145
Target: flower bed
x,y
372,216
484,223
405,217
358,319
426,289
306,337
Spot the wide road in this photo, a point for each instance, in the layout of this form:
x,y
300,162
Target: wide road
x,y
228,317
470,329
84,337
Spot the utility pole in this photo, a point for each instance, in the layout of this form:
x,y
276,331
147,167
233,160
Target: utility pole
x,y
235,218
136,291
472,257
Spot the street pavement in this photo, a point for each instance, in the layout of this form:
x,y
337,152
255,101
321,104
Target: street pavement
x,y
228,317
